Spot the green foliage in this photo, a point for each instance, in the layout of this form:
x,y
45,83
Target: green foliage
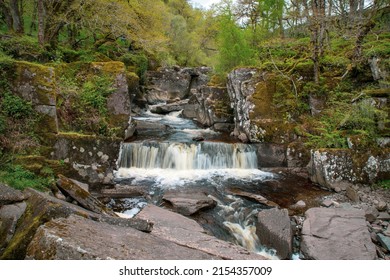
x,y
22,47
234,49
139,61
20,178
385,184
15,107
94,94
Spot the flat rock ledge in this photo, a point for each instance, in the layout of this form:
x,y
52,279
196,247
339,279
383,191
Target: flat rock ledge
x,y
336,234
71,239
186,232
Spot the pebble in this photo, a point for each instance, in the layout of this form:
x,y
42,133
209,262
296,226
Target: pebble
x,y
384,216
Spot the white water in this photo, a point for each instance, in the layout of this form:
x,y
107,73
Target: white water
x,y
183,156
175,164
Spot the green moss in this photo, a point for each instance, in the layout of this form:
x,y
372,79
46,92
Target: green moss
x,y
112,67
40,78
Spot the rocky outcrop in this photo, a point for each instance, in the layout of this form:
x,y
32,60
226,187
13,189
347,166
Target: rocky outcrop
x,y
188,203
186,232
331,168
173,84
274,230
336,234
37,84
89,158
70,239
210,106
253,97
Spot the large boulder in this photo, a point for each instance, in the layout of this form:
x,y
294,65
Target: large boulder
x,y
186,232
336,234
9,217
188,203
257,99
77,238
9,195
274,230
334,167
69,188
209,106
36,83
168,84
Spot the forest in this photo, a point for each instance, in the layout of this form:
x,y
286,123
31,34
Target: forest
x,y
324,48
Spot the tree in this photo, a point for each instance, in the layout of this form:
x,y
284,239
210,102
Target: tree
x,y
234,49
12,11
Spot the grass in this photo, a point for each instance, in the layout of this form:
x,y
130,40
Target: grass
x,y
20,178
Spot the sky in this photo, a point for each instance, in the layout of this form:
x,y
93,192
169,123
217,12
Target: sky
x,y
205,3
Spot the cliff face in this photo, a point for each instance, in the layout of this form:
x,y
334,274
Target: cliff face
x,y
253,98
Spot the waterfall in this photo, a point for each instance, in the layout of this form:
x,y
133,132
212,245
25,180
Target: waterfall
x,y
187,156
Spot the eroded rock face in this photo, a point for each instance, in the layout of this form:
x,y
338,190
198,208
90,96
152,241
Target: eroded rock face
x,y
336,234
70,239
330,168
252,95
274,230
186,232
168,84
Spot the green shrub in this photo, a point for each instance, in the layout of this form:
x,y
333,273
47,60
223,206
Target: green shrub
x,y
139,61
94,94
15,107
19,178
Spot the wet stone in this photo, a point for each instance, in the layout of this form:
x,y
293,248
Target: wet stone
x,y
384,241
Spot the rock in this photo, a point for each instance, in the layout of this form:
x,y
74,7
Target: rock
x,y
332,167
381,206
274,230
384,216
374,237
145,125
252,93
83,197
70,239
384,241
271,155
327,203
130,130
336,234
198,139
299,205
123,191
189,203
251,196
352,194
36,83
168,108
370,213
243,138
168,84
186,232
209,105
9,217
40,209
9,195
387,231
317,103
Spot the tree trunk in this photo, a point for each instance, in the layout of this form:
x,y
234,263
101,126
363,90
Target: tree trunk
x,y
7,15
41,23
16,18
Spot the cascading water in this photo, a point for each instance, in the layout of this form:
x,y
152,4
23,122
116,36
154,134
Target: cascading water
x,y
213,166
185,156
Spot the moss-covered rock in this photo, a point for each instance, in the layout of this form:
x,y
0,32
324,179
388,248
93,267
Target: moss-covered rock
x,y
37,84
261,103
331,167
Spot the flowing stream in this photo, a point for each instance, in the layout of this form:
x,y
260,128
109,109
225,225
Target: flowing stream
x,y
171,160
